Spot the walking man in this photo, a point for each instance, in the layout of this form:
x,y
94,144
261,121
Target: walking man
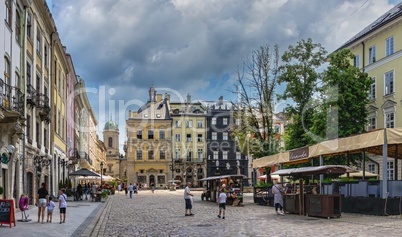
x,y
187,198
131,189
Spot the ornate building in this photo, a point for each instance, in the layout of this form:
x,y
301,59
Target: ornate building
x,y
188,141
149,142
111,140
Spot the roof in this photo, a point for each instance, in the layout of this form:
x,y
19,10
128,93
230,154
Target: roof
x,y
389,16
371,142
324,169
111,125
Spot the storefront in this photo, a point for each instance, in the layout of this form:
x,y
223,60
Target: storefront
x,y
232,183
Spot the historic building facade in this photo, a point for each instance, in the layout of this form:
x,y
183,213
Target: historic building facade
x,y
149,142
377,50
111,139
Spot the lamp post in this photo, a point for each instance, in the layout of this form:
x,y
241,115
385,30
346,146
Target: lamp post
x,y
63,164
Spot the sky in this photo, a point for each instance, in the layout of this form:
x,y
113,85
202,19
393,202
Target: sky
x,y
121,48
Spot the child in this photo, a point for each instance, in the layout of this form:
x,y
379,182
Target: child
x,y
50,208
222,203
62,205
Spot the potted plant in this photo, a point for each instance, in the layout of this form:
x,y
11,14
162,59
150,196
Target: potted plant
x,y
104,195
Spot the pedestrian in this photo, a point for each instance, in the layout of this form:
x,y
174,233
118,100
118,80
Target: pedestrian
x,y
86,190
62,205
119,188
277,191
42,199
79,191
94,190
153,187
125,189
187,198
50,208
131,189
222,203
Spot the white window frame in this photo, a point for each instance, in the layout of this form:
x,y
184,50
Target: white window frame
x,y
178,124
389,119
372,54
213,121
214,136
177,154
372,89
225,121
199,124
189,123
372,122
177,137
389,84
225,136
356,61
389,46
371,168
200,153
238,156
390,170
224,155
216,155
199,138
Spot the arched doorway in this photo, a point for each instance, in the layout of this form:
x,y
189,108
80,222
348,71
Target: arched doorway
x,y
30,189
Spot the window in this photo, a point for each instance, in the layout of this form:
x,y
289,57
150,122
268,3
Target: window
x,y
151,154
177,137
139,134
29,73
224,155
38,40
139,154
372,54
58,122
162,154
37,137
46,59
238,155
356,61
213,121
237,121
29,24
7,69
150,134
199,124
29,127
389,83
18,26
161,179
372,89
371,123
371,168
189,154
214,136
189,124
389,46
200,154
177,154
188,137
216,155
178,124
162,134
9,15
45,138
225,136
199,137
389,120
390,170
225,121
110,142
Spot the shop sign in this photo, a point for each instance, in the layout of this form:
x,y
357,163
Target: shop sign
x,y
298,154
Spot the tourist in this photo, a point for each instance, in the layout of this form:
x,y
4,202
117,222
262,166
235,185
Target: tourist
x,y
277,191
50,208
62,205
222,203
187,198
42,199
131,189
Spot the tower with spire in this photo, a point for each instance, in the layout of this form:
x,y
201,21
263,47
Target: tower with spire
x,y
111,140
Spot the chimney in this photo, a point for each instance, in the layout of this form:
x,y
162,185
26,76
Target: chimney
x,y
221,100
188,98
152,94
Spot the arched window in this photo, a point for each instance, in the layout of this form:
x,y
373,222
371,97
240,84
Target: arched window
x,y
110,142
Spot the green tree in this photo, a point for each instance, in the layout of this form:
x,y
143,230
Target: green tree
x,y
255,87
300,73
345,93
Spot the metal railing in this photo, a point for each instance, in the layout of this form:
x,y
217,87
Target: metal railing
x,y
11,98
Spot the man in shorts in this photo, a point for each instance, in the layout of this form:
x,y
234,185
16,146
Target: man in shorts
x,y
187,198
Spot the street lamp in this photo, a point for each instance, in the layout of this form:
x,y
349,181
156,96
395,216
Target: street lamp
x,y
63,164
42,159
6,155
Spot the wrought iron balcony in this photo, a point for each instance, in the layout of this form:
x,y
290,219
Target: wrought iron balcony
x,y
31,96
11,98
44,107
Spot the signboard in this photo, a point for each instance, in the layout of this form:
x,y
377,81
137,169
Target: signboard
x,y
7,212
298,154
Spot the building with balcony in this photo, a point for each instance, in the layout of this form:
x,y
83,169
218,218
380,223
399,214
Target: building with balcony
x,y
188,141
378,52
149,142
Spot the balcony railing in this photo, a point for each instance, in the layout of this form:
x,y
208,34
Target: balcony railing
x,y
44,107
31,96
11,98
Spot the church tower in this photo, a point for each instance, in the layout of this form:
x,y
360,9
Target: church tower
x,y
111,140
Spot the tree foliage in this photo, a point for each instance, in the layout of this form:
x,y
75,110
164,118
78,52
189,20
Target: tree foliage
x,y
300,73
255,87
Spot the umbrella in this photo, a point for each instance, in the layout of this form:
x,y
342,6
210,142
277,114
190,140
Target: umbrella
x,y
83,172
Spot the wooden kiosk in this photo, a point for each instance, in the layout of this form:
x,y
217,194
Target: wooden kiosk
x,y
303,201
232,183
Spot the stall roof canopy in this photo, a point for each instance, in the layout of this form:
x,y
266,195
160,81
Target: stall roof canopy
x,y
324,169
371,142
225,177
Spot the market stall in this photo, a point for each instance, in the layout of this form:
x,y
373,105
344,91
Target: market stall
x,y
232,183
305,200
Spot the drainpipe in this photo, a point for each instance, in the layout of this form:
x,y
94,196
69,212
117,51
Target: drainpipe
x,y
364,50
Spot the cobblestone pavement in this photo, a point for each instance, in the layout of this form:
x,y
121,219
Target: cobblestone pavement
x,y
162,214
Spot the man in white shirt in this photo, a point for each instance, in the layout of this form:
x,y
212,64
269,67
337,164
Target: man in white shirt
x,y
187,199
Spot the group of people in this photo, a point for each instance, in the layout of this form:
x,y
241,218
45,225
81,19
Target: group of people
x,y
45,201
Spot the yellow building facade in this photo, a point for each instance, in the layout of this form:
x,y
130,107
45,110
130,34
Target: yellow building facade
x,y
378,52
